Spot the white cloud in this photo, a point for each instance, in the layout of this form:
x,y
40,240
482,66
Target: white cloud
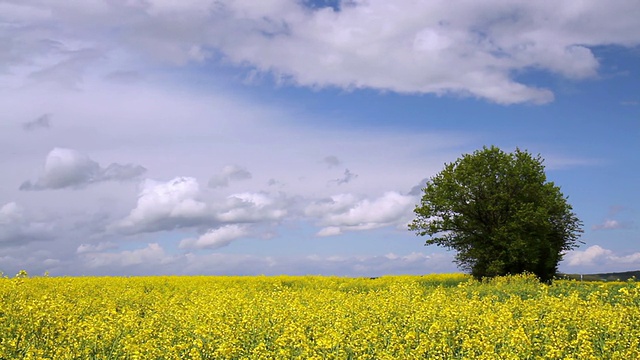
x,y
18,228
216,238
345,212
180,203
330,231
418,47
229,173
253,207
166,206
67,168
10,213
601,259
407,46
588,256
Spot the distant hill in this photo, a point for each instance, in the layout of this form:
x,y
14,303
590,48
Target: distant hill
x,y
619,276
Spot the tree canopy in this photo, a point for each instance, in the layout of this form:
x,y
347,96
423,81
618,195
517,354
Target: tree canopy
x,y
500,214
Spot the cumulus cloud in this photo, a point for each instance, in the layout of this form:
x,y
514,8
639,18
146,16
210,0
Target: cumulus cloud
x,y
253,207
587,256
41,122
17,228
406,46
346,212
411,46
67,168
216,238
229,173
180,203
9,213
601,258
167,206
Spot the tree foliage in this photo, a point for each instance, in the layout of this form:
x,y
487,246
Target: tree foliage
x,y
500,214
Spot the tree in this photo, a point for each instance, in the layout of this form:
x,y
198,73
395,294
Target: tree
x,y
500,214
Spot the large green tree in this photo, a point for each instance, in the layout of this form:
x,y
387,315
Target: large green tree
x,y
500,214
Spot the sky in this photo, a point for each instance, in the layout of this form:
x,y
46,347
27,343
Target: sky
x,y
236,137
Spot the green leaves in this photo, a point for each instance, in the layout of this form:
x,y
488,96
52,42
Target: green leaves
x,y
499,213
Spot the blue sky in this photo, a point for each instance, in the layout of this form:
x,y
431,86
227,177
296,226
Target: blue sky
x,y
231,137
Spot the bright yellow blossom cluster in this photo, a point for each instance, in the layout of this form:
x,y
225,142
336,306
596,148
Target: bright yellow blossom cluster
x,y
314,317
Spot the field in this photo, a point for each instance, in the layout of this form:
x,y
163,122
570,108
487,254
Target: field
x,y
395,317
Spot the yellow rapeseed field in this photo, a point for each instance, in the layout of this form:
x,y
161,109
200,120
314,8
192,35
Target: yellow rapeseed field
x,y
315,317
